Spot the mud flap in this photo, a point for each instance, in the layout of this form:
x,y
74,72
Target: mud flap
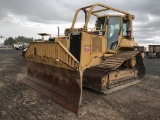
x,y
63,86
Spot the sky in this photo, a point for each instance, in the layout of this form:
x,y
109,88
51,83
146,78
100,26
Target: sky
x,y
29,17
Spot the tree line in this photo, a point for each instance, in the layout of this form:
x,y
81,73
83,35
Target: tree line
x,y
11,40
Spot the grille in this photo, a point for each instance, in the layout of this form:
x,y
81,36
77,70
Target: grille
x,y
96,44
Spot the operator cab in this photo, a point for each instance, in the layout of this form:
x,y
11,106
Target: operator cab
x,y
110,33
113,27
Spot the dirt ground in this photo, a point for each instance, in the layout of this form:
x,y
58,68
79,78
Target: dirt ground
x,y
20,102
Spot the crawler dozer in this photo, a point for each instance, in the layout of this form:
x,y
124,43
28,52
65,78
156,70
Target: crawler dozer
x,y
102,58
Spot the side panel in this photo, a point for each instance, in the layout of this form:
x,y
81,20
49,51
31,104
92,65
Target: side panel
x,y
85,49
92,49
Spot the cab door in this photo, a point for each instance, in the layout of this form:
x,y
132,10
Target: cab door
x,y
113,32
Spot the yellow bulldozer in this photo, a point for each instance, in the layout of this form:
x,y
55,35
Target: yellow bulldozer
x,y
102,58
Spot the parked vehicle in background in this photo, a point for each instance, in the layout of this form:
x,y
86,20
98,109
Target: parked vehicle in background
x,y
153,51
3,46
20,45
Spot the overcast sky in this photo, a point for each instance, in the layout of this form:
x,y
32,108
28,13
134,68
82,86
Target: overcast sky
x,y
29,17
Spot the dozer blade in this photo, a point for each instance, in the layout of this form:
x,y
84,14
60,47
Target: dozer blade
x,y
61,85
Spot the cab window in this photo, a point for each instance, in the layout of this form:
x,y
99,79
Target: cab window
x,y
113,32
125,27
100,23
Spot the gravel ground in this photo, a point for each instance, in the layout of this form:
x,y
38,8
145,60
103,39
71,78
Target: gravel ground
x,y
20,102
